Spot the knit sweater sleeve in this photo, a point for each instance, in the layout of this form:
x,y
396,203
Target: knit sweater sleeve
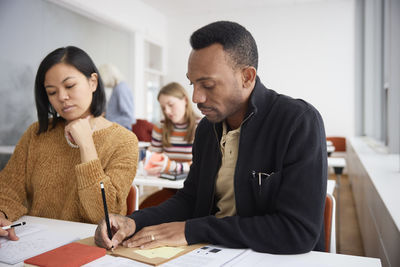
x,y
117,175
13,195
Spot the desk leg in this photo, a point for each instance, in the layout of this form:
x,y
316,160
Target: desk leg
x,y
141,190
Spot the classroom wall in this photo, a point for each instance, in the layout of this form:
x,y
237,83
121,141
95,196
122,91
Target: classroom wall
x,y
306,50
110,31
145,24
133,15
29,30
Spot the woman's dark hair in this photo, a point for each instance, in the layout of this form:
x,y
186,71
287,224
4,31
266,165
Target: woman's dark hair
x,y
235,39
77,58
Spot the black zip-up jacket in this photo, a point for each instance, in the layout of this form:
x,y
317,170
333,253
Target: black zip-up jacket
x,y
280,136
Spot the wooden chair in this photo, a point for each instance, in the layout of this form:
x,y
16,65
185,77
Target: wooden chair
x,y
143,130
132,201
330,224
338,142
158,197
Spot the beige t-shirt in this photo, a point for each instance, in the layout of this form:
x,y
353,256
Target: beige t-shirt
x,y
225,191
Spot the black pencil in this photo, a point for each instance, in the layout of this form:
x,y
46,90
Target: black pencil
x,y
103,194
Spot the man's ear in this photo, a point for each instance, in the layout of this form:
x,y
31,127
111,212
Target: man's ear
x,y
249,75
93,81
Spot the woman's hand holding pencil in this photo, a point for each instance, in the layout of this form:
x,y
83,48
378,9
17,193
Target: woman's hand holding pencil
x,y
7,229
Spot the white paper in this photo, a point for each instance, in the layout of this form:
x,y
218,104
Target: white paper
x,y
33,240
255,259
24,230
206,256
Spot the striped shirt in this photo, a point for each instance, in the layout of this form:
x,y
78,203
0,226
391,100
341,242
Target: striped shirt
x,y
180,150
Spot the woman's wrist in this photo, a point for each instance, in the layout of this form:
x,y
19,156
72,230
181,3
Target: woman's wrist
x,y
180,167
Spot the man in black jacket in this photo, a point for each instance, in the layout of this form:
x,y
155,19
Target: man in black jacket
x,y
259,171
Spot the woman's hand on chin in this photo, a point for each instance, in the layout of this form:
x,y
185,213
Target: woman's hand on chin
x,y
79,131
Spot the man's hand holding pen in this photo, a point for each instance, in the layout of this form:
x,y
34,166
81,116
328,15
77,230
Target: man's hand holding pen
x,y
122,227
115,229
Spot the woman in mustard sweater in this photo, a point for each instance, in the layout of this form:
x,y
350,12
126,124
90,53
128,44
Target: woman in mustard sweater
x,y
58,164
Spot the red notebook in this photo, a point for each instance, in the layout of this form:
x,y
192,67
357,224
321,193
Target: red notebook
x,y
70,255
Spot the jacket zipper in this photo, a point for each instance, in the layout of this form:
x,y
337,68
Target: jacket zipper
x,y
215,176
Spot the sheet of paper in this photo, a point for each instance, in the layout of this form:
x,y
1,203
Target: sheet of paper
x,y
34,241
256,259
24,230
162,252
206,256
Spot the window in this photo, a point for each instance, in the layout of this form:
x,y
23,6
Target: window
x,y
378,65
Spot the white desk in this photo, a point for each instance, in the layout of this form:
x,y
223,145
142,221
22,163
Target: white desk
x,y
313,258
142,180
144,144
7,150
330,150
250,258
336,162
148,180
80,230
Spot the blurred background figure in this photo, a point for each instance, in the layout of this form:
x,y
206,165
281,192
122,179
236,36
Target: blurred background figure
x,y
172,137
120,107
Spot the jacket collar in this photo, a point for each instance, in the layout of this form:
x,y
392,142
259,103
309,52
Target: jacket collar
x,y
261,99
260,102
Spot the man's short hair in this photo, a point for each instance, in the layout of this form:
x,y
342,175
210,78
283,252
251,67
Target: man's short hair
x,y
235,39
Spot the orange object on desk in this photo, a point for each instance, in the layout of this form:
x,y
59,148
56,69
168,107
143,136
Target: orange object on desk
x,y
70,255
155,157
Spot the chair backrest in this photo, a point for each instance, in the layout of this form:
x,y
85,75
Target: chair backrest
x,y
330,224
143,130
338,142
132,201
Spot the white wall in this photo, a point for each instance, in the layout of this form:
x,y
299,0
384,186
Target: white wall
x,y
133,15
306,50
142,21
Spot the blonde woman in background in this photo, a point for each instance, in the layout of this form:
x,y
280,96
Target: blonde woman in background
x,y
120,107
173,136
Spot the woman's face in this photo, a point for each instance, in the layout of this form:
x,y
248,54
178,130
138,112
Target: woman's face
x,y
69,91
173,108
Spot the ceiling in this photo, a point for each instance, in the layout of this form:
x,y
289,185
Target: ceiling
x,y
175,7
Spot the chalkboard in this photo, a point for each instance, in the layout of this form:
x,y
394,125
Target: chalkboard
x,y
29,30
